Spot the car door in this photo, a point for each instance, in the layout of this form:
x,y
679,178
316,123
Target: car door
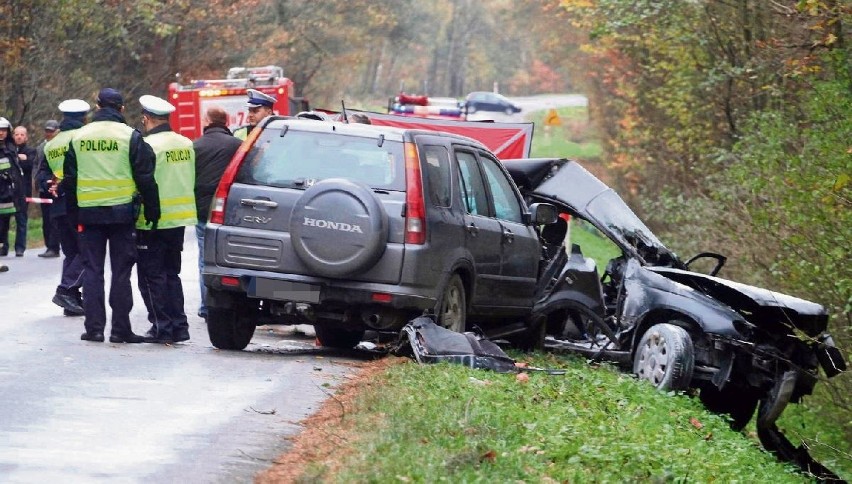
x,y
483,233
519,244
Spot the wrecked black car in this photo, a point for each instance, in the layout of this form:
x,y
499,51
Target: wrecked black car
x,y
742,347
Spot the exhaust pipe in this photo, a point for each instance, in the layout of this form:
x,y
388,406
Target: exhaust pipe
x,y
382,319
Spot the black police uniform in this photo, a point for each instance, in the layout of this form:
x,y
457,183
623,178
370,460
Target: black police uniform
x,y
68,291
113,224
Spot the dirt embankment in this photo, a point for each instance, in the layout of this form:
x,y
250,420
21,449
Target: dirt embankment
x,y
323,442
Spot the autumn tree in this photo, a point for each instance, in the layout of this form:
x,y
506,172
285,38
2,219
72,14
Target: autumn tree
x,y
727,121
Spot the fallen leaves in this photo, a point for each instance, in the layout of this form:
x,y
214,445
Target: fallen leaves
x,y
489,456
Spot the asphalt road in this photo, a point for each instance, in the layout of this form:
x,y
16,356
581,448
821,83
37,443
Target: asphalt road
x,y
531,103
75,411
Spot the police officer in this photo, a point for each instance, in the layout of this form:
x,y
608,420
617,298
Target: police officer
x,y
49,231
11,183
160,247
49,175
259,106
107,163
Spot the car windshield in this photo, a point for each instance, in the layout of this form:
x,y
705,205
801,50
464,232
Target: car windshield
x,y
298,159
611,212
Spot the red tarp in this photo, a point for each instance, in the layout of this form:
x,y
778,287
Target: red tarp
x,y
506,140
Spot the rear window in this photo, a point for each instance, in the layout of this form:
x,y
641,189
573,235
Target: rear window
x,y
298,159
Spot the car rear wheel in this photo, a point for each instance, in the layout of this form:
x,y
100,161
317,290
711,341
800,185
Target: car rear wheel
x,y
227,330
452,306
337,337
665,357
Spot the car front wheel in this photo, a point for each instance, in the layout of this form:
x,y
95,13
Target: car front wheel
x,y
665,357
452,307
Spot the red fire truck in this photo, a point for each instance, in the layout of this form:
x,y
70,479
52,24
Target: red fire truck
x,y
193,99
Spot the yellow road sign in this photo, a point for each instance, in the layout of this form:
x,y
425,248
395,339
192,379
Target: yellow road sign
x,y
552,119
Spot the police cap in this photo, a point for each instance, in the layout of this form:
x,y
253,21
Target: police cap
x,y
110,97
156,106
257,98
72,107
5,124
312,115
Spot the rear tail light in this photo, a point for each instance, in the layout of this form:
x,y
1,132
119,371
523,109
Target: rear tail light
x,y
415,207
217,208
230,281
382,297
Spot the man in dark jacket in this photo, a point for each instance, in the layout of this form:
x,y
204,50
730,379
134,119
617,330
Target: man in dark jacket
x,y
106,165
11,183
26,160
213,152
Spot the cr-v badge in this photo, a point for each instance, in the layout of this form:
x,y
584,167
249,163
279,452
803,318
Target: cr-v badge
x,y
254,219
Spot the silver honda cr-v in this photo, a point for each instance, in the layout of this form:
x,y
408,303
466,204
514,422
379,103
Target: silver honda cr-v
x,y
351,227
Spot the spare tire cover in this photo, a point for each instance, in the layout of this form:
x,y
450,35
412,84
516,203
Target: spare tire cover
x,y
338,227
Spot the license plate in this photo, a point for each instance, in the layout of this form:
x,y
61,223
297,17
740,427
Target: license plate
x,y
284,290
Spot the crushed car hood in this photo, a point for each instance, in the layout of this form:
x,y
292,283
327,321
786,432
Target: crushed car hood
x,y
770,310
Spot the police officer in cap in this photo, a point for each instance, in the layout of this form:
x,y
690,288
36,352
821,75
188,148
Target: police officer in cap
x,y
259,106
106,165
49,175
11,183
160,247
49,230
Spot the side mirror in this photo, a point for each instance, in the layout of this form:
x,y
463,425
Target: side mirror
x,y
543,213
720,261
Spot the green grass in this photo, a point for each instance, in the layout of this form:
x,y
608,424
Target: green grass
x,y
453,424
573,139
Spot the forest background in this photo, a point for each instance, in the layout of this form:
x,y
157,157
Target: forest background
x,y
726,123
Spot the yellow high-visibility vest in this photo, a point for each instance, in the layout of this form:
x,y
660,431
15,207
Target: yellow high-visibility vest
x,y
175,175
55,149
104,175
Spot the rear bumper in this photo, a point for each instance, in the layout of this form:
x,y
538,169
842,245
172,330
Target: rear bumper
x,y
332,293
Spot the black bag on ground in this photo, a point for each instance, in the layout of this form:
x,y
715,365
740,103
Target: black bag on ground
x,y
431,343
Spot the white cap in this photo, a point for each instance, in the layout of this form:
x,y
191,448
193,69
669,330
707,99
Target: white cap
x,y
74,106
155,105
257,98
5,124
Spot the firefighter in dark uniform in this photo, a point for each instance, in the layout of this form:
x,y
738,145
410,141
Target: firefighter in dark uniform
x,y
106,165
160,247
49,175
259,106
